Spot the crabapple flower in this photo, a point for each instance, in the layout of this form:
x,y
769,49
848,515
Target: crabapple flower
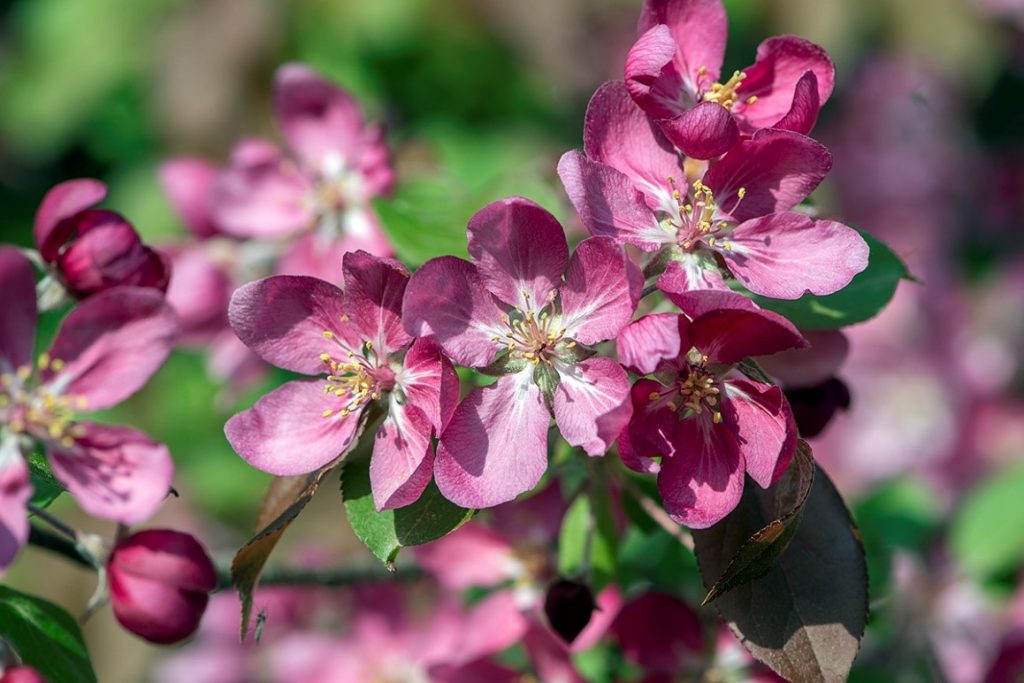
x,y
160,581
511,309
320,192
91,250
704,420
673,74
105,350
631,186
355,341
21,674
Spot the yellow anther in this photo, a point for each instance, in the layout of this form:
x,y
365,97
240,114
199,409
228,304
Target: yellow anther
x,y
751,99
716,417
344,318
742,192
24,372
328,334
369,346
702,71
327,413
345,412
67,442
325,357
654,396
44,361
56,365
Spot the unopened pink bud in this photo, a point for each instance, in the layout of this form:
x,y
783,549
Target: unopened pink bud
x,y
160,582
21,674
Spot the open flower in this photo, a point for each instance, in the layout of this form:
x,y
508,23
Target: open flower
x,y
354,341
673,74
735,219
511,309
105,350
321,191
700,424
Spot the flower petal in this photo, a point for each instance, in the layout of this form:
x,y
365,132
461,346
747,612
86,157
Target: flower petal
x,y
287,433
786,255
446,298
592,403
692,271
659,632
15,491
429,382
550,656
113,472
519,250
765,429
284,318
650,432
609,204
471,556
374,288
803,113
61,202
199,292
703,481
403,457
19,313
495,446
645,344
706,131
778,169
110,345
699,28
782,61
653,78
601,291
188,183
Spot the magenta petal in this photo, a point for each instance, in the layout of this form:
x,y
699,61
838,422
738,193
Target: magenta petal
x,y
703,481
18,313
617,133
429,382
550,656
61,202
765,428
108,253
471,556
650,432
199,293
374,288
786,255
286,432
727,327
319,119
495,446
490,626
704,132
782,61
592,403
659,632
110,345
519,250
692,271
188,183
699,28
446,298
15,491
114,473
609,204
803,113
645,344
265,197
283,319
778,169
653,79
601,291
403,457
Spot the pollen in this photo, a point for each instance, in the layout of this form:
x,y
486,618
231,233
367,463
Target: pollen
x,y
725,93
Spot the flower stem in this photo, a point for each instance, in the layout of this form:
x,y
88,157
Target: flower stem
x,y
54,522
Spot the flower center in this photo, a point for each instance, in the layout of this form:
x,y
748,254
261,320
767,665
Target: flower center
x,y
725,93
39,411
356,380
697,223
697,389
537,338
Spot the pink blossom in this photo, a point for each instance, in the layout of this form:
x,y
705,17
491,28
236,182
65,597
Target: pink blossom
x,y
513,310
160,581
354,340
21,674
631,186
701,424
673,73
105,350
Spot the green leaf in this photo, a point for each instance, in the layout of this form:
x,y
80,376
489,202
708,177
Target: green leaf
x,y
46,487
45,637
987,537
862,299
588,540
805,617
388,531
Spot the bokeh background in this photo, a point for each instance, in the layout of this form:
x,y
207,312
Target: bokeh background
x,y
481,97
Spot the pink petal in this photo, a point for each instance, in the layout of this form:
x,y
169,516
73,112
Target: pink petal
x,y
490,626
706,131
374,288
114,473
199,292
703,481
15,491
495,446
61,202
471,556
188,183
283,318
519,250
447,298
803,113
645,344
659,632
617,133
777,168
692,271
699,28
811,366
782,61
592,403
765,429
107,253
18,314
609,204
550,656
728,327
429,382
650,432
374,162
319,119
786,255
286,432
266,197
601,291
403,457
653,78
480,671
111,344
608,603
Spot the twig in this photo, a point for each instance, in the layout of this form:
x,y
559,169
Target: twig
x,y
41,538
658,514
53,521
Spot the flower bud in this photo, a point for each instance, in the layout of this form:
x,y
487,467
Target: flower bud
x,y
160,582
568,607
21,674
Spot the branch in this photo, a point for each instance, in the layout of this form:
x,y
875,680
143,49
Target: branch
x,y
59,545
